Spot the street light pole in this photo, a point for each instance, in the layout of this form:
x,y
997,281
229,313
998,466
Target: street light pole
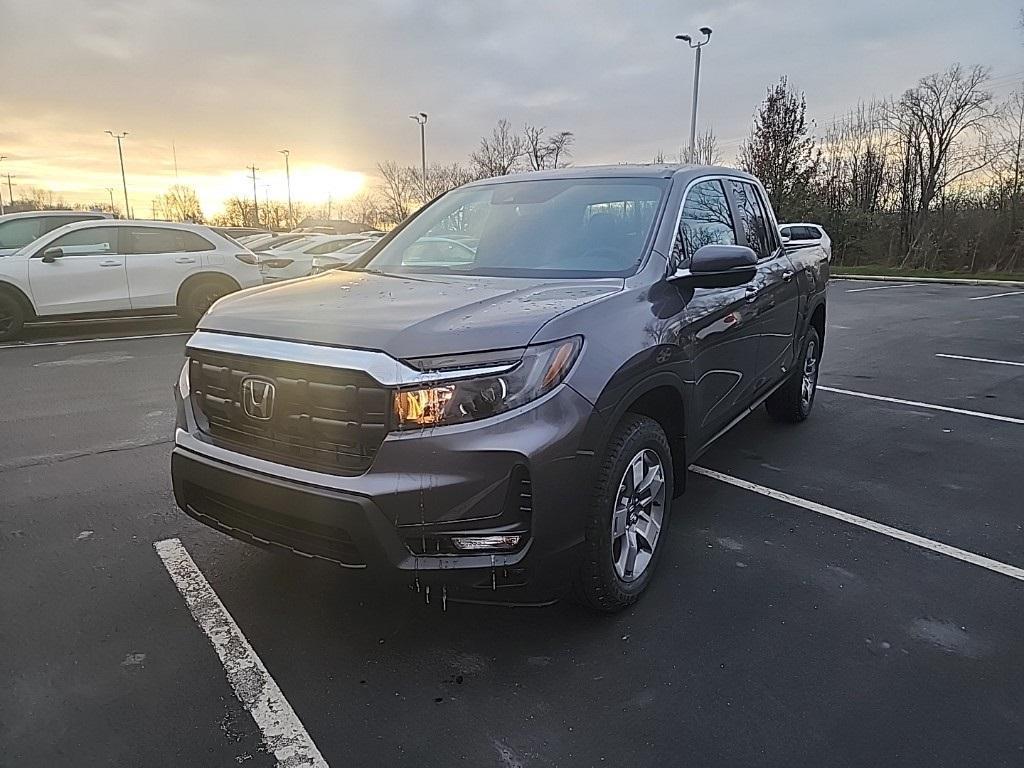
x,y
255,200
110,190
124,183
288,180
2,158
421,118
706,31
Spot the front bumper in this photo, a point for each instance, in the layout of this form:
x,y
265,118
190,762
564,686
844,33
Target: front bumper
x,y
423,487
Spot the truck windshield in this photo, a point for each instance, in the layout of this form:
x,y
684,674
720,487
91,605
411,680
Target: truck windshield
x,y
544,228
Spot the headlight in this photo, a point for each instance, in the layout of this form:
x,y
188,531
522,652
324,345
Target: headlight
x,y
541,369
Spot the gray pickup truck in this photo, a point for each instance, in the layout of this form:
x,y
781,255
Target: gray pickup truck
x,y
500,398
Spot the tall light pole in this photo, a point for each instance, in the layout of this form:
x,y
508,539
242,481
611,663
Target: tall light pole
x,y
288,180
706,31
421,118
111,191
255,200
2,158
124,183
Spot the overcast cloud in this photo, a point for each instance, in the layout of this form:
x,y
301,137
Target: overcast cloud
x,y
231,82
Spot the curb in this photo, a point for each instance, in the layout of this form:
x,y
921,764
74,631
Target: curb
x,y
946,280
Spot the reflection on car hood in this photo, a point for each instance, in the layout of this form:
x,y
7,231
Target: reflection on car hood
x,y
405,316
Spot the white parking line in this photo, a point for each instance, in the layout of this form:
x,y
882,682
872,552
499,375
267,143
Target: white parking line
x,y
90,341
996,296
930,406
886,530
283,732
979,359
879,288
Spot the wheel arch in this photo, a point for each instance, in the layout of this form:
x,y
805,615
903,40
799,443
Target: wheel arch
x,y
20,296
818,320
207,276
660,397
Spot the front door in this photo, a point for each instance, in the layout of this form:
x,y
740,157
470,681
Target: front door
x,y
89,275
719,323
777,298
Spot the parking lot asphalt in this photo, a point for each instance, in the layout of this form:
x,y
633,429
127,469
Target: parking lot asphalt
x,y
773,635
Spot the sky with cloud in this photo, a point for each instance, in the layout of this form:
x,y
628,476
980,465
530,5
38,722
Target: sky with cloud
x,y
229,83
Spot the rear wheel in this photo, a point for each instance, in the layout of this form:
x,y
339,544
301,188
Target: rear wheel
x,y
628,516
197,298
794,399
12,317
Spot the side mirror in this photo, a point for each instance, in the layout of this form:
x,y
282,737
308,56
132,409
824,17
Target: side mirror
x,y
720,266
50,255
785,238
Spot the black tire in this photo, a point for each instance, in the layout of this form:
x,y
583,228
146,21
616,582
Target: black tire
x,y
598,584
791,402
12,317
198,297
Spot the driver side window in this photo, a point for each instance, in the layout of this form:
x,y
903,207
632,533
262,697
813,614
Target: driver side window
x,y
705,220
87,242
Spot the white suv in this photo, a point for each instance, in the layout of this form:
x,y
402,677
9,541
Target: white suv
x,y
121,267
803,234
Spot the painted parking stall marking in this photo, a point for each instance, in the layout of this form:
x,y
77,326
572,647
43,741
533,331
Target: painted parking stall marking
x,y
979,359
285,736
879,288
996,296
887,530
929,406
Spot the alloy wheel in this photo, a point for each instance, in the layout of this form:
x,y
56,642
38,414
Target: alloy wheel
x,y
638,514
809,381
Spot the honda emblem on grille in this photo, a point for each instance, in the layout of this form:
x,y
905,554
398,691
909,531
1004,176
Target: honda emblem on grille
x,y
258,399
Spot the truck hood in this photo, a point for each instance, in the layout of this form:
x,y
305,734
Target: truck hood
x,y
404,316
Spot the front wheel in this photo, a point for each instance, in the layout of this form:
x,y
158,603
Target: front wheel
x,y
197,299
628,517
12,317
794,399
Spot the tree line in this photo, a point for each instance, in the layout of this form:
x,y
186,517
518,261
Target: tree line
x,y
931,179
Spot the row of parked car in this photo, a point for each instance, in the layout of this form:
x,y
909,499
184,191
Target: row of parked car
x,y
56,264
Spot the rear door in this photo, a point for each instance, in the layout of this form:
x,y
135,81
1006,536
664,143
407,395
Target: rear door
x,y
719,322
159,259
90,276
777,298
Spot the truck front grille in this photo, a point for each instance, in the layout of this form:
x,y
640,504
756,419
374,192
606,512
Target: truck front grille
x,y
317,418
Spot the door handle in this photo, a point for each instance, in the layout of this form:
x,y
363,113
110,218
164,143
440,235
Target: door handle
x,y
787,276
751,294
184,260
110,263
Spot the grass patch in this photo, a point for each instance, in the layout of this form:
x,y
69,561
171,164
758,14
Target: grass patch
x,y
868,269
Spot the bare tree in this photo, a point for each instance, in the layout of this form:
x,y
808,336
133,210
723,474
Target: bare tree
x,y
780,151
560,145
546,151
499,154
706,149
937,121
238,212
181,203
366,208
397,190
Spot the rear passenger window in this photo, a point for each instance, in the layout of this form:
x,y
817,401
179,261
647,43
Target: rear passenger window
x,y
705,220
143,240
813,233
753,219
18,232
